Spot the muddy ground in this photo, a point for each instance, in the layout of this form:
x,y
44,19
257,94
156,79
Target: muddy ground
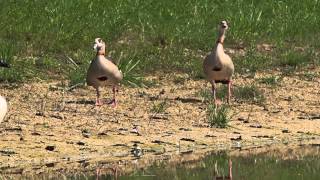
x,y
49,128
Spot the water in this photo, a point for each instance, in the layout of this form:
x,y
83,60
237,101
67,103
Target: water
x,y
283,163
290,164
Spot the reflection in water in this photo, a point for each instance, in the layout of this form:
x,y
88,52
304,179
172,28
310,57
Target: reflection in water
x,y
216,174
255,164
293,164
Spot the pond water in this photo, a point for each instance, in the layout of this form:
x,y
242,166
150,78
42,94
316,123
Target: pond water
x,y
259,163
288,164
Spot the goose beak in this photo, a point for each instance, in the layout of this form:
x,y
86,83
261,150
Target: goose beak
x,y
95,46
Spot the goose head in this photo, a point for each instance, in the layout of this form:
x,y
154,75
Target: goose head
x,y
223,26
99,45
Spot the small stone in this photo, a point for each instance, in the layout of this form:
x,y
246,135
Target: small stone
x,y
185,129
50,147
285,131
288,98
238,138
7,151
35,134
57,116
241,118
137,142
186,152
162,92
187,139
50,164
102,134
210,135
237,145
169,132
256,126
315,117
86,133
81,143
40,114
120,145
158,142
18,128
123,129
276,111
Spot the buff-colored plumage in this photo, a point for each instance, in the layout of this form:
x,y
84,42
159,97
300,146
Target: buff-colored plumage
x,y
3,108
102,71
3,102
218,66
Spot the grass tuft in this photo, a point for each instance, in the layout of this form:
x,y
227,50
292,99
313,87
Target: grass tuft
x,y
160,107
309,76
218,116
295,59
206,95
248,93
271,80
130,77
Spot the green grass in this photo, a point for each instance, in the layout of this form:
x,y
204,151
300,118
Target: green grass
x,y
248,93
218,116
161,35
245,93
270,80
309,76
159,107
205,95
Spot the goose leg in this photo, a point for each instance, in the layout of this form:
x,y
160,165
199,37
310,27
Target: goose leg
x,y
113,102
229,91
214,92
98,100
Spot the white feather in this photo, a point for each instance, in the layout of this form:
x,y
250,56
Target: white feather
x,y
3,108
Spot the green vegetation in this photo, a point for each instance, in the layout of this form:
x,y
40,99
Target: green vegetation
x,y
159,107
206,95
270,80
248,93
218,116
39,37
309,76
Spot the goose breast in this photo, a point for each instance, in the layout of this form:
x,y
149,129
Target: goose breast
x,y
3,108
103,71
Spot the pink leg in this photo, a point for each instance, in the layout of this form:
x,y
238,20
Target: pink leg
x,y
98,172
113,102
213,84
98,100
229,91
230,169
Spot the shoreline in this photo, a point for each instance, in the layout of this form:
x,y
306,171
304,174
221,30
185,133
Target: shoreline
x,y
57,130
129,164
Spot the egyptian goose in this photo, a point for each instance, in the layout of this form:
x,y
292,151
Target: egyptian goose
x,y
3,108
102,72
3,102
218,66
